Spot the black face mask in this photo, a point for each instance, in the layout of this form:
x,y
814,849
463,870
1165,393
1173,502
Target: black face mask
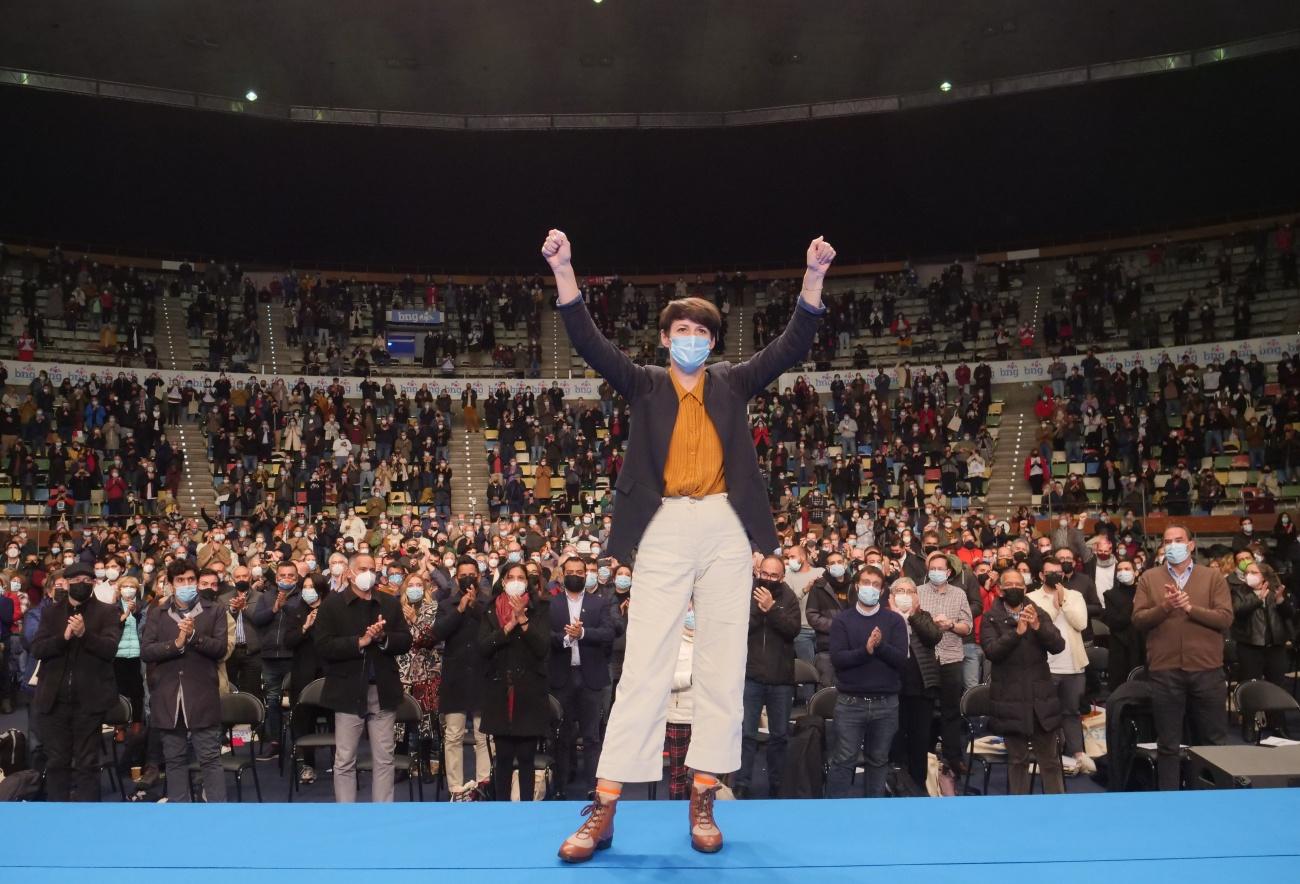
x,y
575,582
1067,567
208,595
1013,597
1052,579
930,547
60,595
768,584
1019,556
968,544
242,586
79,592
467,581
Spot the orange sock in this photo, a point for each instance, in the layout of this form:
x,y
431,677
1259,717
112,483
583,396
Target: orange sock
x,y
705,781
608,794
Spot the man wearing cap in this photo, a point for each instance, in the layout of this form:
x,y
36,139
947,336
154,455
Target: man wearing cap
x,y
76,646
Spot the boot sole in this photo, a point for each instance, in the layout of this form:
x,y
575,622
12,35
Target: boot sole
x,y
575,860
700,849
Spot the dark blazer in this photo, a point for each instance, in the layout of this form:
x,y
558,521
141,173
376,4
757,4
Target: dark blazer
x,y
1021,687
340,622
771,639
192,669
638,491
516,661
593,648
90,656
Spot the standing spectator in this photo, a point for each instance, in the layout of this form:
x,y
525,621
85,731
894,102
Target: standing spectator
x,y
1127,648
677,737
581,636
1264,618
360,634
951,610
457,626
1066,609
769,674
515,638
868,650
1018,637
184,642
1184,609
920,681
273,616
76,646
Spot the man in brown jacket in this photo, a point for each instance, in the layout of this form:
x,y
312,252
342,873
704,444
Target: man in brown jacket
x,y
1184,609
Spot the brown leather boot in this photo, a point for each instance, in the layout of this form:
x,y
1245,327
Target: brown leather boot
x,y
596,833
705,835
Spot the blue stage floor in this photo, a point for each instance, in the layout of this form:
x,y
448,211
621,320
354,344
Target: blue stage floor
x,y
1189,838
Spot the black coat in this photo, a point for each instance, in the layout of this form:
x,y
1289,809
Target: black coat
x,y
462,663
517,661
307,663
342,619
87,660
192,669
1021,687
921,673
1126,646
728,387
771,638
598,633
824,604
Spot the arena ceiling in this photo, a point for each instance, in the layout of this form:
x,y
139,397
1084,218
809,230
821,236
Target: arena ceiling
x,y
616,56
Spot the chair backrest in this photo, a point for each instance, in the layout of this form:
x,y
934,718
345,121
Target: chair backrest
x,y
310,695
1099,628
557,710
1098,658
119,713
977,701
823,702
805,673
240,708
1138,673
1263,696
409,710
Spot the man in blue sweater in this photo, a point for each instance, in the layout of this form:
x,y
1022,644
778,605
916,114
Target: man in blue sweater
x,y
868,646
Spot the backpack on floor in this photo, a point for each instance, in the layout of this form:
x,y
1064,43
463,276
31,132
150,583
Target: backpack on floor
x,y
805,771
13,751
899,784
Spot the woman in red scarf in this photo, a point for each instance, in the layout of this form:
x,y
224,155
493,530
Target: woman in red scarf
x,y
515,640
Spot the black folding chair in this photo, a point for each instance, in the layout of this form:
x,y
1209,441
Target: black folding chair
x,y
308,708
118,715
1257,696
805,675
411,758
236,709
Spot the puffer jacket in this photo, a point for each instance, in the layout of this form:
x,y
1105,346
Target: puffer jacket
x,y
1021,688
1261,623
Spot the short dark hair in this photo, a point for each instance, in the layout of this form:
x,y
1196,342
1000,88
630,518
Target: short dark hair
x,y
467,560
179,567
697,310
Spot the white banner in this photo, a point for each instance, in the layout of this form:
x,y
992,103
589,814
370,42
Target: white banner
x,y
22,373
1035,371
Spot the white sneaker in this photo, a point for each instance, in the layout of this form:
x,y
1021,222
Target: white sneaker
x,y
1069,766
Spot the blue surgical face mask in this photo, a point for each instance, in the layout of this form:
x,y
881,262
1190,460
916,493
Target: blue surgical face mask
x,y
514,556
286,586
602,574
591,580
622,581
187,594
395,579
414,593
837,570
690,351
869,596
310,596
690,620
1176,553
938,577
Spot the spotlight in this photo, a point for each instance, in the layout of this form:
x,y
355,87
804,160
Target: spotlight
x,y
597,2
251,95
945,86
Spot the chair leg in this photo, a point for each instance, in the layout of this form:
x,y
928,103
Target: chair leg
x,y
257,785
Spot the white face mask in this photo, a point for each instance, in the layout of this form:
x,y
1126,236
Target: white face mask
x,y
1125,577
128,594
336,569
364,580
112,573
100,572
515,588
903,602
1254,580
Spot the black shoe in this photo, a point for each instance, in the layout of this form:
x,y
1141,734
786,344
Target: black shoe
x,y
272,752
741,792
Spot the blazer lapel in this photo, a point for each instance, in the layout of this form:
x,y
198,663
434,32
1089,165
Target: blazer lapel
x,y
663,410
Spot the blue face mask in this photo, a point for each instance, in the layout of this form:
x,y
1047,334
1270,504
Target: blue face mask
x,y
938,577
591,580
837,570
310,596
1176,553
869,596
187,594
690,620
414,594
622,581
514,556
690,351
395,579
602,574
286,586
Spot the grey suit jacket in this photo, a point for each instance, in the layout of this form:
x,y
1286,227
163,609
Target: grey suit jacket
x,y
649,391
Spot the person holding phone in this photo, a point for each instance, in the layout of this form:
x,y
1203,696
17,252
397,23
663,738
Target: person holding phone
x,y
691,502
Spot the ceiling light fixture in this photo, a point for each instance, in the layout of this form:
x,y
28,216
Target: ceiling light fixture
x,y
251,95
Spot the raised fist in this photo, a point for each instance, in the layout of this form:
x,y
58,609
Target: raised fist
x,y
820,255
557,252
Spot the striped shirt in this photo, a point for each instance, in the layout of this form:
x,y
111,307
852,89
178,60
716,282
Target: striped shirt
x,y
947,601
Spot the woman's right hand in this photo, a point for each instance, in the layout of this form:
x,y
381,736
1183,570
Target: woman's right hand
x,y
556,249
